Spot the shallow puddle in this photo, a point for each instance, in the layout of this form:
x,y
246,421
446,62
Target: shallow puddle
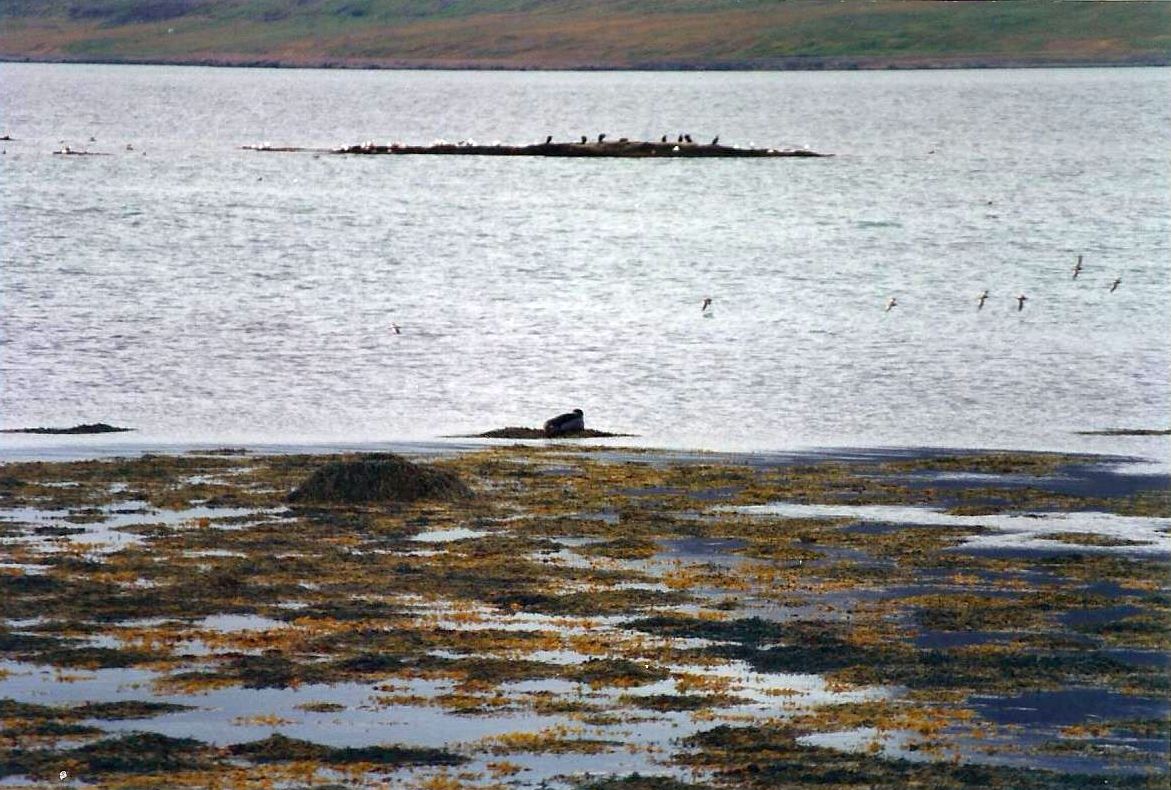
x,y
1019,531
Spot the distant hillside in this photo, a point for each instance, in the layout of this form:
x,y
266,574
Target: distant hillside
x,y
547,34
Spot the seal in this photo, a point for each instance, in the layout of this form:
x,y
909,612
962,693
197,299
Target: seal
x,y
565,423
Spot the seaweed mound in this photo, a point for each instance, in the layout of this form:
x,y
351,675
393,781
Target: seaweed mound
x,y
378,478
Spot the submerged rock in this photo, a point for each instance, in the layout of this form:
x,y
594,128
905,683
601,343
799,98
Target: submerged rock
x,y
378,478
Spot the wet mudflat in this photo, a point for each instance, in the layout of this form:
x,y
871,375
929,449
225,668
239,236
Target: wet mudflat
x,y
587,617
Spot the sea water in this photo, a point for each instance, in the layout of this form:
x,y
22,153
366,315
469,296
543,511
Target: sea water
x,y
200,292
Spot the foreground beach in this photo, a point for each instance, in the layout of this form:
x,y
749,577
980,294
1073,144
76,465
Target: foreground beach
x,y
588,616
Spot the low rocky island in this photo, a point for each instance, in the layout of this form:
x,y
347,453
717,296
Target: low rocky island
x,y
620,148
94,427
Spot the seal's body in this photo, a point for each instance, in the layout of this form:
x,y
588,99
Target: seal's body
x,y
565,423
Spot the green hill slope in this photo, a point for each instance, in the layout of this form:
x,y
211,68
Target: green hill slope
x,y
588,33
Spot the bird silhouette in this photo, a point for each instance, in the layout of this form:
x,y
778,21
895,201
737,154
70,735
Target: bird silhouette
x,y
601,137
548,139
892,304
1114,285
716,140
707,302
981,299
1077,267
1020,302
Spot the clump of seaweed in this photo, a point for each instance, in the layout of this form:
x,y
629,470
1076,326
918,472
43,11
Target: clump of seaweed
x,y
771,756
640,782
134,753
378,478
126,709
281,748
680,702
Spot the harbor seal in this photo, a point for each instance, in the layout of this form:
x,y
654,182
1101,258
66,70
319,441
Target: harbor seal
x,y
565,423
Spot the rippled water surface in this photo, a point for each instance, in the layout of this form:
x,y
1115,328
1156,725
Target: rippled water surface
x,y
201,292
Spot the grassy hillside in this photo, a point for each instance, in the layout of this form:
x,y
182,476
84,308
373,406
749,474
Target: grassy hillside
x,y
587,33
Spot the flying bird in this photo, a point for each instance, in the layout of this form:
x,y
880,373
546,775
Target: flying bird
x,y
1020,302
1114,285
981,299
398,330
1077,267
893,303
707,302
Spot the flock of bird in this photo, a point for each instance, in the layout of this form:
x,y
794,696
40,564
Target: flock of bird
x,y
683,139
893,302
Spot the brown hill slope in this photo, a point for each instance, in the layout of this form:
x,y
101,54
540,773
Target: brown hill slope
x,y
587,33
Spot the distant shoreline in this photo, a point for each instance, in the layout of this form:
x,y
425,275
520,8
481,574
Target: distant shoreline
x,y
803,63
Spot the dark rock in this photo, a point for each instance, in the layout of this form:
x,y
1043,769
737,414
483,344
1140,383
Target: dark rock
x,y
517,432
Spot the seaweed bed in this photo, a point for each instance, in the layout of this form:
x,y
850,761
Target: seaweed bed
x,y
557,616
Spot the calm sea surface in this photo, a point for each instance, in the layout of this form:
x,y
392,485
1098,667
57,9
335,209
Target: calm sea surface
x,y
200,292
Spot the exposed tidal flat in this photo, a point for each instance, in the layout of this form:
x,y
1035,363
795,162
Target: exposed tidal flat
x,y
586,617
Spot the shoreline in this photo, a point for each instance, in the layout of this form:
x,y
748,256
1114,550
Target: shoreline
x,y
791,64
99,447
